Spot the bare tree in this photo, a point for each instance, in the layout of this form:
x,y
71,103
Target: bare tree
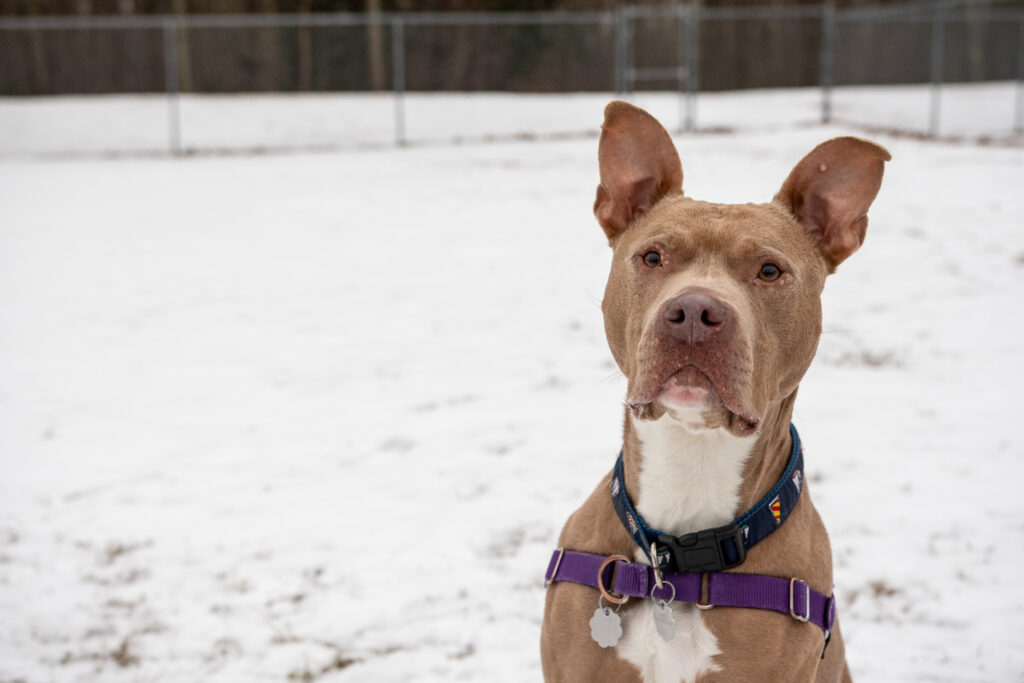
x,y
305,50
184,63
375,45
40,71
270,51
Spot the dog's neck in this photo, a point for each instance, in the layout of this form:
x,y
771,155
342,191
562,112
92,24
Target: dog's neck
x,y
683,480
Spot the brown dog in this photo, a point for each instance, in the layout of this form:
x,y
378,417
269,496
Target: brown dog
x,y
713,313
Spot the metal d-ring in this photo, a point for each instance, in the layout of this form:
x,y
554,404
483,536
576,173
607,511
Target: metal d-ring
x,y
670,585
615,600
618,606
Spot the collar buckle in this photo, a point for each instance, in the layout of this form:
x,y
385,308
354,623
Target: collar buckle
x,y
710,550
806,616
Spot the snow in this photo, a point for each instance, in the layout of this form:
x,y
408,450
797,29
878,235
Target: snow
x,y
118,124
321,415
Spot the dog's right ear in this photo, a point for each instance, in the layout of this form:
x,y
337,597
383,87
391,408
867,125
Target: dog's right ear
x,y
639,165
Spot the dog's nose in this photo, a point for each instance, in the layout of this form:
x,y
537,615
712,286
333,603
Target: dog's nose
x,y
696,317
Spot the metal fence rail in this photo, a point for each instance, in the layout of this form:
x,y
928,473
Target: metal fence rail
x,y
623,23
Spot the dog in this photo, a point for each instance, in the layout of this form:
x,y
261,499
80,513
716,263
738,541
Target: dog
x,y
713,314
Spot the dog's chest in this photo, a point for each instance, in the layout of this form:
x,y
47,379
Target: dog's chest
x,y
688,482
690,653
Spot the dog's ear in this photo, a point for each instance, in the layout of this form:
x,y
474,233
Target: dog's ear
x,y
830,191
639,165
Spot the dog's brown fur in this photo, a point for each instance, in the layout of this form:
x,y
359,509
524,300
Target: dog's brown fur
x,y
817,220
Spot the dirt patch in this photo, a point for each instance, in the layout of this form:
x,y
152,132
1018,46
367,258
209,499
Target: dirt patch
x,y
114,550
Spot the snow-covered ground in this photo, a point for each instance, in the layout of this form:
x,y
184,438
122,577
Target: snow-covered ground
x,y
320,416
117,124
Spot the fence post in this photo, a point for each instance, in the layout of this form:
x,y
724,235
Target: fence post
x,y
620,52
171,85
1018,117
828,34
398,76
692,64
682,78
629,50
938,52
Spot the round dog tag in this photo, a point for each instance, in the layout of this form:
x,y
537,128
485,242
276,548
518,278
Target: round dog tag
x,y
605,627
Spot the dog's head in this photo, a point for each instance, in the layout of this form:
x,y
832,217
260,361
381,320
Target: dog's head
x,y
713,311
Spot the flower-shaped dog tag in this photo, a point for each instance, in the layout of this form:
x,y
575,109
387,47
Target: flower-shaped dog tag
x,y
605,627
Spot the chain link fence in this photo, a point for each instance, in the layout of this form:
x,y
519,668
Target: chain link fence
x,y
687,49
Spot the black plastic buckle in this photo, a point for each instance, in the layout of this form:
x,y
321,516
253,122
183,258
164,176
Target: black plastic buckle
x,y
703,551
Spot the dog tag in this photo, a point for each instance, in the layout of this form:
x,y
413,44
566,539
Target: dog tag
x,y
605,627
664,620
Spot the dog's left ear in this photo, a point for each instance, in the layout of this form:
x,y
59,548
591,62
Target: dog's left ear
x,y
830,192
639,165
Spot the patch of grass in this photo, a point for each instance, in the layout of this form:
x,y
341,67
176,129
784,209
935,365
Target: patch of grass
x,y
123,656
880,589
307,675
115,550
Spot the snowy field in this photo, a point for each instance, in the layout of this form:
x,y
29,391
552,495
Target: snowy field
x,y
62,126
320,416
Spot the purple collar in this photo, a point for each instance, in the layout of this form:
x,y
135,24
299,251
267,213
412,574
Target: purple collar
x,y
717,589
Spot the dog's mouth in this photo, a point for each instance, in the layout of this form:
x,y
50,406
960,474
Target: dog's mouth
x,y
690,391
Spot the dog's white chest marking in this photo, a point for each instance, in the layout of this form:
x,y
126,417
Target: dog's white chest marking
x,y
683,658
689,480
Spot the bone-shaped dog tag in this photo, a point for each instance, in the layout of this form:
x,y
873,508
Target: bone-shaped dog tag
x,y
605,627
664,620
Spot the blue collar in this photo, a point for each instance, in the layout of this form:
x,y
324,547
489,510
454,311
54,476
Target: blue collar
x,y
713,550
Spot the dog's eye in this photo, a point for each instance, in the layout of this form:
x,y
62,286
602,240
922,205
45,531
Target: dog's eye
x,y
652,259
769,272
